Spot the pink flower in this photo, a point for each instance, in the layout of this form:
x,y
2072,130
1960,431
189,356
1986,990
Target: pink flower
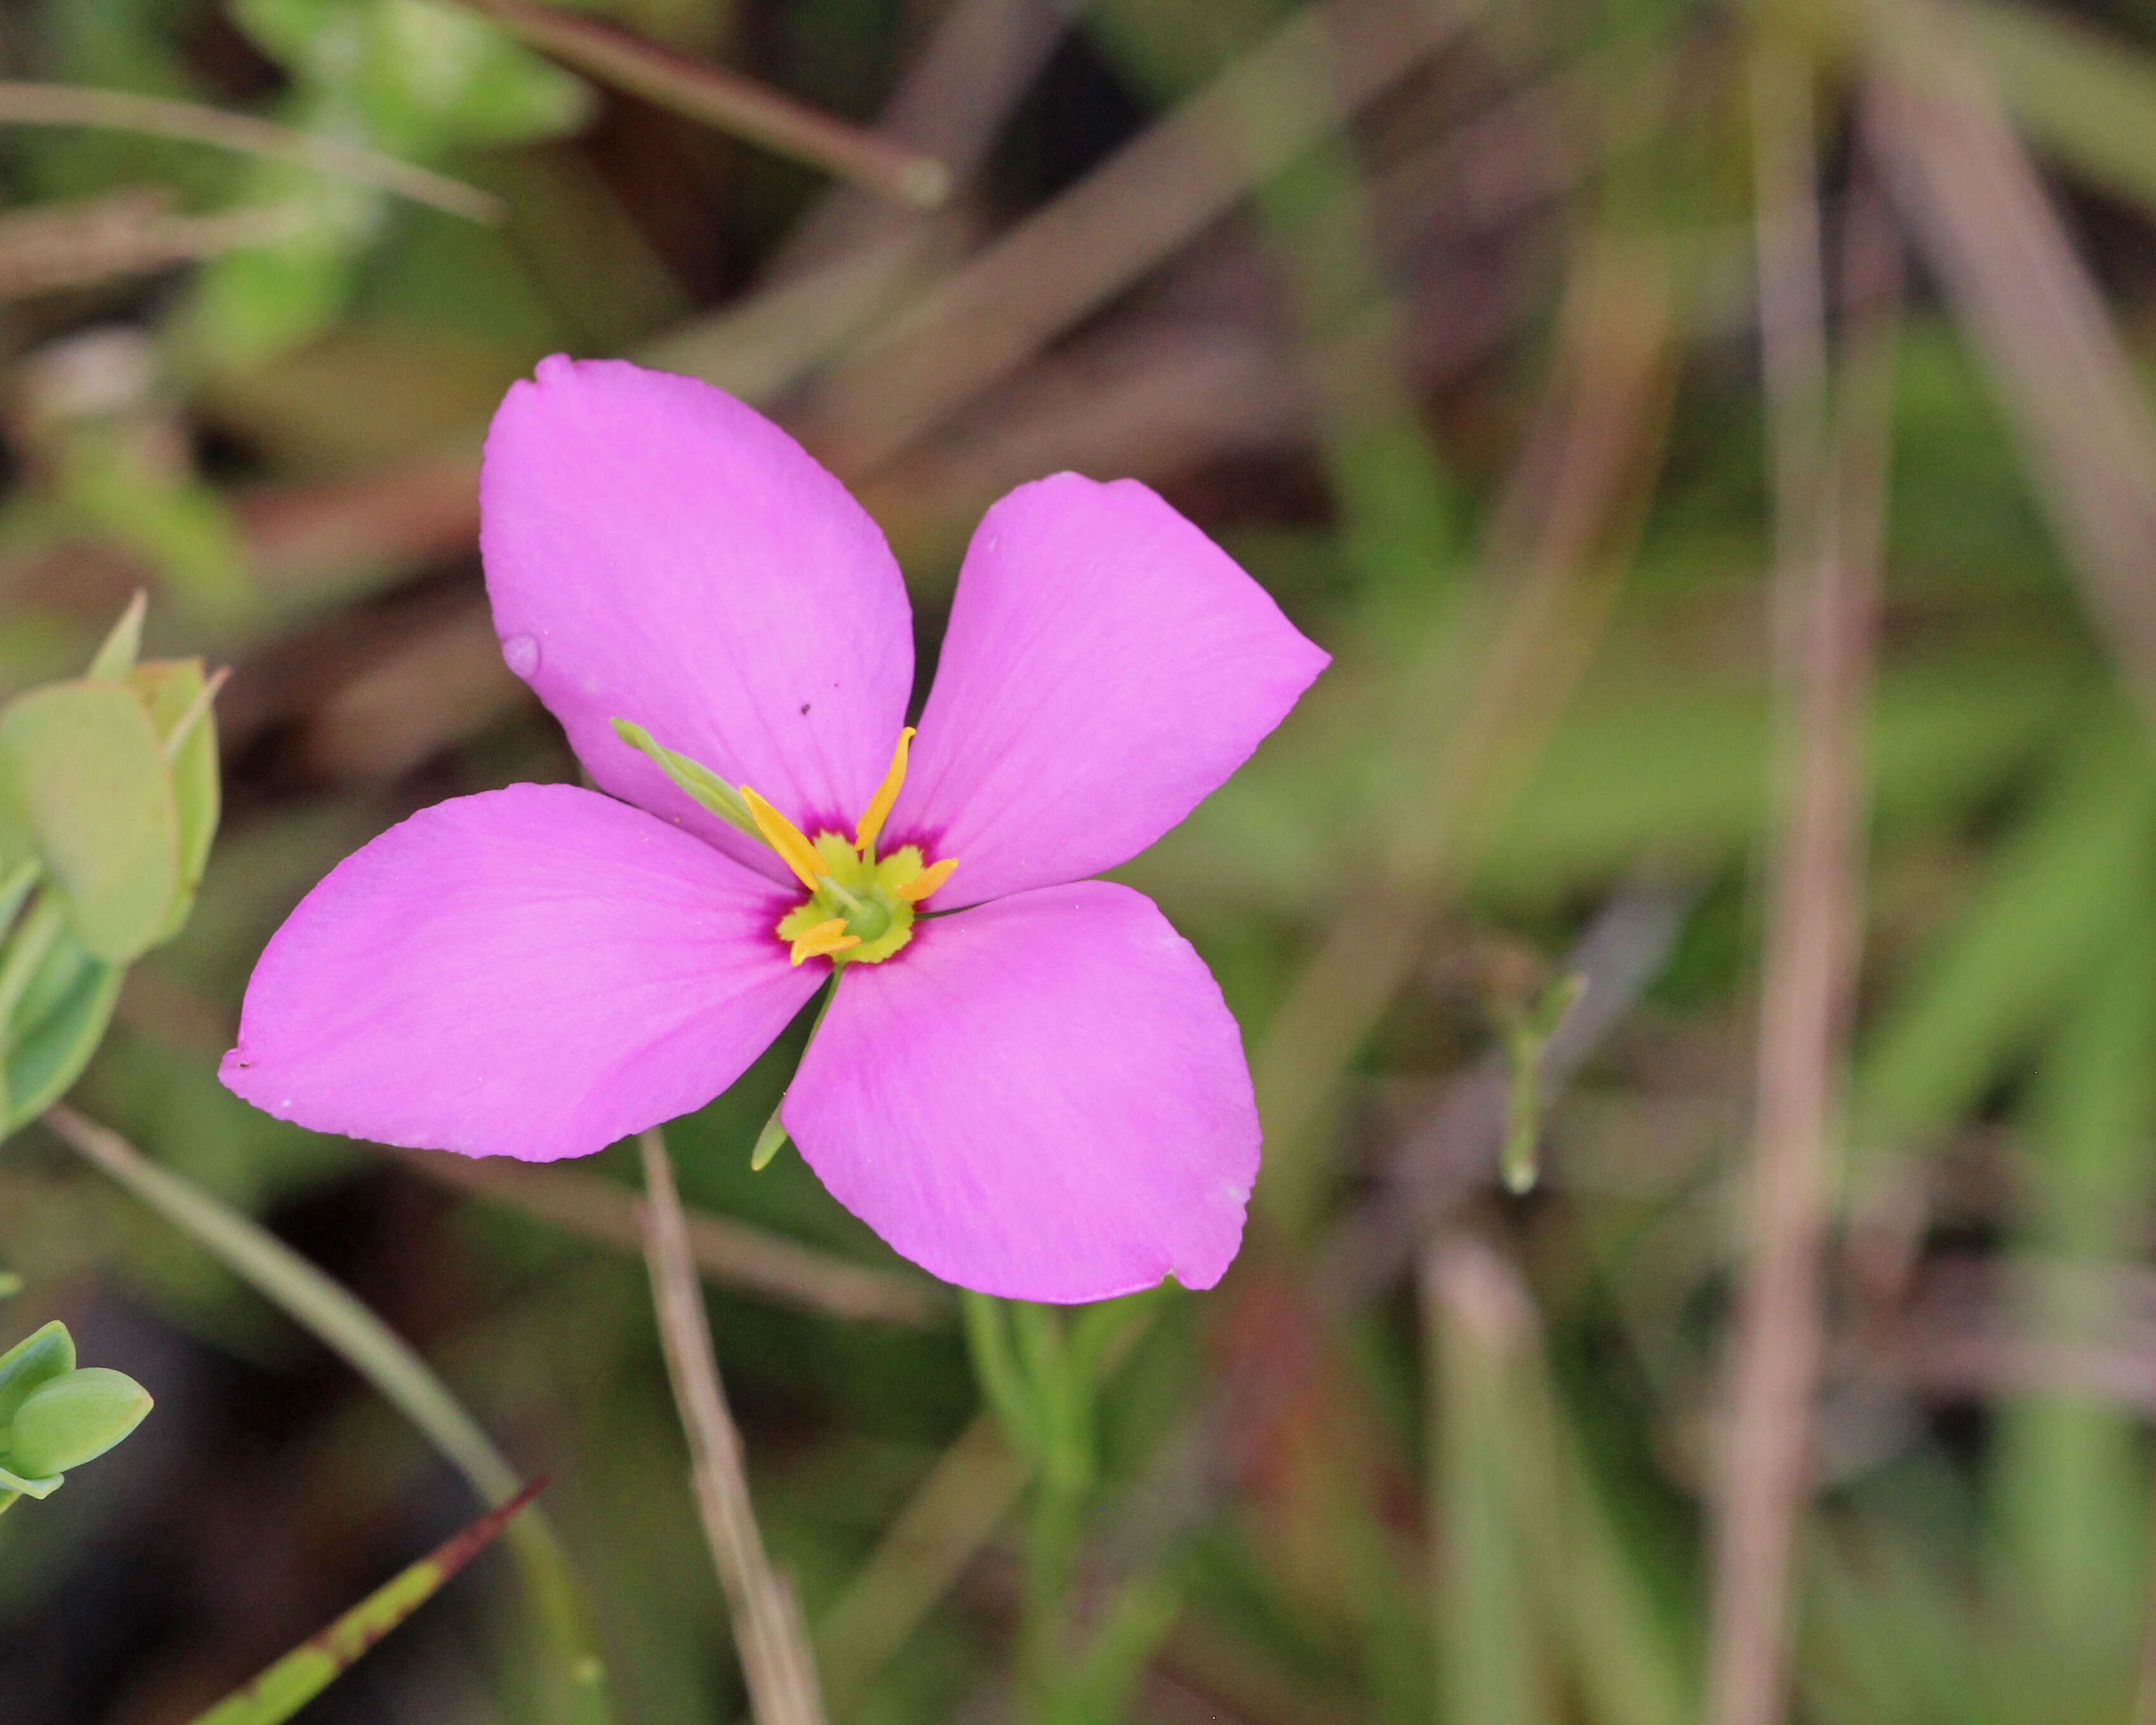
x,y
1042,1095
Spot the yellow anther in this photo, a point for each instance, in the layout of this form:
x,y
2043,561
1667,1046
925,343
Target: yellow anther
x,y
879,808
783,837
926,882
823,940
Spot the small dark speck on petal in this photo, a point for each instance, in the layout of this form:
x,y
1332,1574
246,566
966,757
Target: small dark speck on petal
x,y
804,707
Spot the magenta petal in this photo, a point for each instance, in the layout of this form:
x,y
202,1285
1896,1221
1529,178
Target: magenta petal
x,y
1106,667
1045,1097
532,972
656,551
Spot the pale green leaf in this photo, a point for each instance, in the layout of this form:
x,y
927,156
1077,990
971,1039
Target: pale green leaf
x,y
83,771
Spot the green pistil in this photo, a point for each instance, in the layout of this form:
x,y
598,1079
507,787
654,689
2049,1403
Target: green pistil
x,y
862,895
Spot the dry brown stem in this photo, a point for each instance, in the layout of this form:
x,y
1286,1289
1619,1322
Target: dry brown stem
x,y
775,1662
1975,201
1150,198
721,97
1827,534
160,117
733,1254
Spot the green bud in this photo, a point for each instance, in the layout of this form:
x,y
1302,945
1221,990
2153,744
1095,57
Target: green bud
x,y
37,1359
73,1419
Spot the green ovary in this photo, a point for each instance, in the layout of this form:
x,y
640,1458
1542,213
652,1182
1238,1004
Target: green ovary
x,y
863,895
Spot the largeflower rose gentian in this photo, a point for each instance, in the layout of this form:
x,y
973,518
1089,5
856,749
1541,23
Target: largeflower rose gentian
x,y
1040,1093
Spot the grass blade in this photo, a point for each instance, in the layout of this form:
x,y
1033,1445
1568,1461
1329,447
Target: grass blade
x,y
190,122
311,1667
721,98
385,1360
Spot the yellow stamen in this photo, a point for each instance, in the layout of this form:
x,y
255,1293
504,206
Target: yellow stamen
x,y
824,939
873,817
926,882
783,837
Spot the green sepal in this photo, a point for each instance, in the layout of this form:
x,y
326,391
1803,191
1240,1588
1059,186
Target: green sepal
x,y
178,698
73,1418
83,773
124,645
36,1359
13,1482
768,1142
57,1028
710,791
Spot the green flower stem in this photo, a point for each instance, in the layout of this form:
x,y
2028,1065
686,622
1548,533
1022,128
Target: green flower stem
x,y
382,1357
1042,1370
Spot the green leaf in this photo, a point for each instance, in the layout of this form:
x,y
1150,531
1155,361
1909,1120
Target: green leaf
x,y
82,770
117,656
310,1668
61,1021
175,691
14,1483
2051,900
74,1418
37,1359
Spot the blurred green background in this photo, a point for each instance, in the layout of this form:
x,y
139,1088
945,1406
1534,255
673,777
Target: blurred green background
x,y
1712,441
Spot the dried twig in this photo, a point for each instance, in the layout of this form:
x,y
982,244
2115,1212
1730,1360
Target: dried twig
x,y
1135,210
1827,530
1975,201
775,1662
979,59
721,97
733,1254
82,242
190,122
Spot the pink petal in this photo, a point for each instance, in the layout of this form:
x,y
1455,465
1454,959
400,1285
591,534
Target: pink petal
x,y
1107,667
532,972
1045,1097
656,551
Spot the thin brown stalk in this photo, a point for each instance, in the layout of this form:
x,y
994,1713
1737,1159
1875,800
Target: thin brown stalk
x,y
979,61
856,255
2072,391
82,243
775,1662
1827,530
1181,174
733,1254
718,96
160,117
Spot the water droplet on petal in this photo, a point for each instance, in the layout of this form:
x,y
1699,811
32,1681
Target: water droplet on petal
x,y
520,653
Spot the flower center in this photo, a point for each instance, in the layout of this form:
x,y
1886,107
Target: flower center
x,y
859,908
